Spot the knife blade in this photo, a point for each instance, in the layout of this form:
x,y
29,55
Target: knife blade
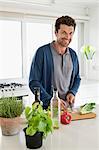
x,y
71,105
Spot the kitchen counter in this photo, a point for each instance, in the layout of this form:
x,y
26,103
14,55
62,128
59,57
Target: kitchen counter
x,y
78,135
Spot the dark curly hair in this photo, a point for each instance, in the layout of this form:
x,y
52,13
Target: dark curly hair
x,y
65,20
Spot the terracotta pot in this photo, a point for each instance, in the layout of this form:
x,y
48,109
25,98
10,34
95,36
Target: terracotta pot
x,y
10,126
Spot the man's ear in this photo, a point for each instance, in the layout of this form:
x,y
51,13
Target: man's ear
x,y
56,33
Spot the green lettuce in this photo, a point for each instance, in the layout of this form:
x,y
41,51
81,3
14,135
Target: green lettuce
x,y
87,108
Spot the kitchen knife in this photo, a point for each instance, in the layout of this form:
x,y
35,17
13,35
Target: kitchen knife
x,y
71,105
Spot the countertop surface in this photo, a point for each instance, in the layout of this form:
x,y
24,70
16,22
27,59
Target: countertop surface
x,y
78,135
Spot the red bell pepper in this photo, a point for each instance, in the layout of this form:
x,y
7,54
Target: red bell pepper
x,y
66,118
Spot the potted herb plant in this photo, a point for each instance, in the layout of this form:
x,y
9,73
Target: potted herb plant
x,y
39,124
10,110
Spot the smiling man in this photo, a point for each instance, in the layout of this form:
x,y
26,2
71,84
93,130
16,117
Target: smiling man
x,y
56,65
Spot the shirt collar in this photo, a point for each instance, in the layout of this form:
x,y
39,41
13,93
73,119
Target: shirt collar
x,y
66,53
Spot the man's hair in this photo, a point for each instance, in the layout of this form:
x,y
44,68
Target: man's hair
x,y
66,20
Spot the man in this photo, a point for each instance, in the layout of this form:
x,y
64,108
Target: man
x,y
56,65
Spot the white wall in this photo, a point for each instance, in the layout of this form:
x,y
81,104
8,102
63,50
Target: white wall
x,y
54,9
93,72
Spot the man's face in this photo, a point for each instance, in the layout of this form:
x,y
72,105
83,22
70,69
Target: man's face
x,y
64,35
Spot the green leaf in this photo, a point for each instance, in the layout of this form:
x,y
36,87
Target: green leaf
x,y
30,131
87,108
38,120
40,109
10,107
35,105
42,126
89,51
27,110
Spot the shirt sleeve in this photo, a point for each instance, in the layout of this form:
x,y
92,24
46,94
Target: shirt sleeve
x,y
35,77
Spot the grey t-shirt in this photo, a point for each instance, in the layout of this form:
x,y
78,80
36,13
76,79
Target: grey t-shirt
x,y
62,71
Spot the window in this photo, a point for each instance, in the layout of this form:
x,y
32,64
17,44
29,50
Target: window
x,y
74,42
20,40
10,49
37,34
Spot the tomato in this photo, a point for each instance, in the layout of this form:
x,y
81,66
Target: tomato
x,y
66,118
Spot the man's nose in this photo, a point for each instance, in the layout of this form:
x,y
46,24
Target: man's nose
x,y
67,36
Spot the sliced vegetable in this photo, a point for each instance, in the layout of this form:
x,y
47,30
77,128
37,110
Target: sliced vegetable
x,y
65,118
87,108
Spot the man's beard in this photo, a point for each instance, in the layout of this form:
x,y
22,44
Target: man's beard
x,y
64,42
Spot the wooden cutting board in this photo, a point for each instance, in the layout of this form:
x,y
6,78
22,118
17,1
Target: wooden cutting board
x,y
78,116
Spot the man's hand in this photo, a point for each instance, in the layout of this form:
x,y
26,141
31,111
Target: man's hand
x,y
70,98
63,105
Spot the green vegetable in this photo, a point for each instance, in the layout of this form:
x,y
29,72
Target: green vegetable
x,y
88,51
87,108
10,107
38,120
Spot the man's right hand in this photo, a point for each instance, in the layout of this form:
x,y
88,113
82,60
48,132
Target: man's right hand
x,y
64,105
